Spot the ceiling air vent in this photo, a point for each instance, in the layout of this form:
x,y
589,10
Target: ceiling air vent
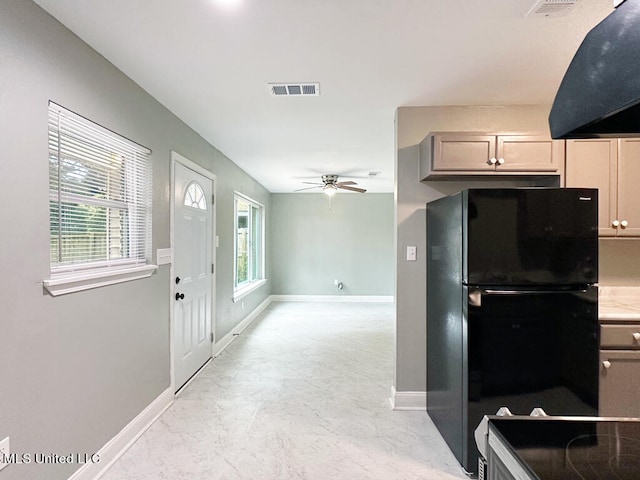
x,y
294,89
548,8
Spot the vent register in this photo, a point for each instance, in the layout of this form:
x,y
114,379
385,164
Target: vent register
x,y
548,8
294,89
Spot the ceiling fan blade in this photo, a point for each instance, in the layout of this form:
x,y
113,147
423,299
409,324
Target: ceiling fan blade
x,y
353,189
313,183
348,182
308,188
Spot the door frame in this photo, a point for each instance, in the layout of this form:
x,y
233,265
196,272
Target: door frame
x,y
185,162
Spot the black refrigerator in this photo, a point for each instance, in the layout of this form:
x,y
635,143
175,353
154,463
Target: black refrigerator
x,y
512,307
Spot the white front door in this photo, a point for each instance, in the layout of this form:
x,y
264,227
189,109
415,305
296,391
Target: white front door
x,y
192,250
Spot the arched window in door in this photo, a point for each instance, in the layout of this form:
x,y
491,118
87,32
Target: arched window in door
x,y
194,197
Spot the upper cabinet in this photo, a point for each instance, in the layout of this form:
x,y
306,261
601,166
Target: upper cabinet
x,y
447,154
613,167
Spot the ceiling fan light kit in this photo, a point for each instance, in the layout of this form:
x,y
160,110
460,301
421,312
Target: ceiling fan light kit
x,y
329,190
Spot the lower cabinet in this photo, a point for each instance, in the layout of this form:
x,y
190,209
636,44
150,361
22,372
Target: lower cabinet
x,y
619,383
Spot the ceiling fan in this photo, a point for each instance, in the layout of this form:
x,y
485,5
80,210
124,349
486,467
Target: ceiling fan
x,y
330,185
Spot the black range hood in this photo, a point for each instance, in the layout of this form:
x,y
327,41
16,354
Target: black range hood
x,y
600,93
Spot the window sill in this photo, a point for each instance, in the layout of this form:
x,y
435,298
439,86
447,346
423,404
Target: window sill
x,y
77,282
247,289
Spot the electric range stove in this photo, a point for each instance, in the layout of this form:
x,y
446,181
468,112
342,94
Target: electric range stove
x,y
561,448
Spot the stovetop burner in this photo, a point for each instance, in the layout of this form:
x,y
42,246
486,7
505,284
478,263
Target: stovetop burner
x,y
604,456
576,449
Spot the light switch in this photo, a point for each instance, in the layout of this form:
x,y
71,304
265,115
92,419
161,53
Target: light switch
x,y
412,252
164,256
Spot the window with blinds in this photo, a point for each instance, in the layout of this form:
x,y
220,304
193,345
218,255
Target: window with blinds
x,y
100,196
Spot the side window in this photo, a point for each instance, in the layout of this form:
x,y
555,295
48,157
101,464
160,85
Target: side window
x,y
249,242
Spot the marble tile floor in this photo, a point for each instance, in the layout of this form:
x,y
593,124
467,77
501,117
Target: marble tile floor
x,y
303,393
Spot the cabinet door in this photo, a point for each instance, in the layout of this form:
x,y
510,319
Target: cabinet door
x,y
619,385
628,191
529,153
594,164
463,152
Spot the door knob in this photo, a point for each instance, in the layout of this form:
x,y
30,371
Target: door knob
x,y
501,161
624,223
636,336
616,223
606,364
492,161
179,296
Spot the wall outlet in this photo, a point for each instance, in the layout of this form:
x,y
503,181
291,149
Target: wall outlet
x,y
5,451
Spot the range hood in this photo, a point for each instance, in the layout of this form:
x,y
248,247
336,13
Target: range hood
x,y
600,93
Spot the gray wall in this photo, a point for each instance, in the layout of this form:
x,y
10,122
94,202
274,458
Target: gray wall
x,y
412,125
315,241
77,368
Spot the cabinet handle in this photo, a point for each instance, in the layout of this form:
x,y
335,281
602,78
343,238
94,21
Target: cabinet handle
x,y
636,336
492,161
615,224
501,161
606,364
624,223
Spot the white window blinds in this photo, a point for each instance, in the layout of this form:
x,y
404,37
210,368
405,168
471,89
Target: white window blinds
x,y
100,195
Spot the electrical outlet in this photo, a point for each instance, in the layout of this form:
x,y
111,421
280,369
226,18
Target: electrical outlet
x,y
5,451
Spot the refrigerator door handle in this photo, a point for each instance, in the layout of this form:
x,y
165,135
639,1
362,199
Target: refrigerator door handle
x,y
528,292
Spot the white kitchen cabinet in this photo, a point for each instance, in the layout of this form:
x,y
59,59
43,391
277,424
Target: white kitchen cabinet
x,y
619,389
628,191
613,167
447,154
619,386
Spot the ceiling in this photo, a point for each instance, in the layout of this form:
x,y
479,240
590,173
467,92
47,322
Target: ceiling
x,y
209,62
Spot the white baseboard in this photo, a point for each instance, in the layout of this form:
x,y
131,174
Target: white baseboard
x,y
119,444
224,342
408,400
333,298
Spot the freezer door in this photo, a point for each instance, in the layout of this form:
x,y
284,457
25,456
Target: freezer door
x,y
531,236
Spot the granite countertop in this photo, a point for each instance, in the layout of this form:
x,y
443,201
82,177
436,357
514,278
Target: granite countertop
x,y
619,303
